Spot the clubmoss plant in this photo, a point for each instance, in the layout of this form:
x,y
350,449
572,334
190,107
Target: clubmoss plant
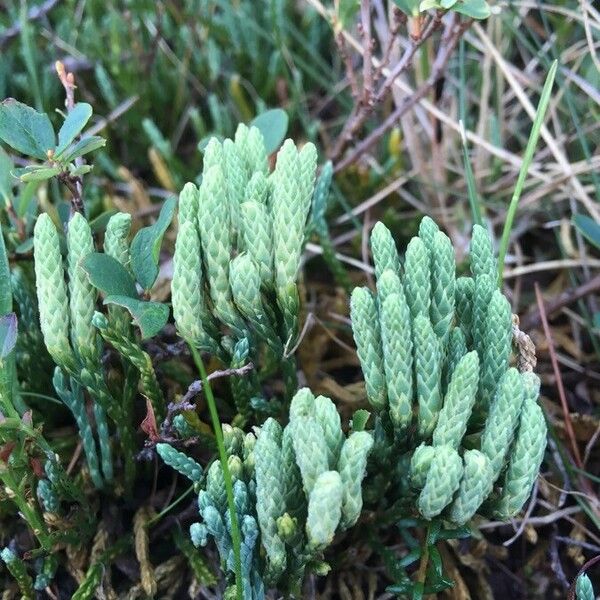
x,y
18,570
294,488
456,430
237,253
584,590
465,427
71,338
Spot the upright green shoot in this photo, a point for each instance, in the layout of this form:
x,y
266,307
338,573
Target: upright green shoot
x,y
527,158
214,415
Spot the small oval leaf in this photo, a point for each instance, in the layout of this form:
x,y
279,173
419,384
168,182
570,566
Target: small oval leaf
x,y
25,129
8,334
5,287
7,181
150,317
73,124
588,228
109,275
83,146
36,173
476,9
273,124
145,247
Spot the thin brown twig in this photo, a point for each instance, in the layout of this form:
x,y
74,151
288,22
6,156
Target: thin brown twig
x,y
305,329
430,27
511,159
74,457
376,197
591,443
353,262
449,41
186,403
196,386
569,492
543,520
74,184
557,376
351,76
526,517
555,560
551,265
363,109
585,485
581,544
113,115
580,527
399,18
365,19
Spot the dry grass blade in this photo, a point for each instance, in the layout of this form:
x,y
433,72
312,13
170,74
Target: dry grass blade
x,y
546,135
142,549
433,114
559,383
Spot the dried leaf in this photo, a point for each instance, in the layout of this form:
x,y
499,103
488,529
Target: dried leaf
x,y
6,451
148,425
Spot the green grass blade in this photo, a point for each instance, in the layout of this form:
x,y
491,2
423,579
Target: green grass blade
x,y
527,158
214,415
29,51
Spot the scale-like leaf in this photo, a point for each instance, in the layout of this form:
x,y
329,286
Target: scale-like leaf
x,y
359,419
